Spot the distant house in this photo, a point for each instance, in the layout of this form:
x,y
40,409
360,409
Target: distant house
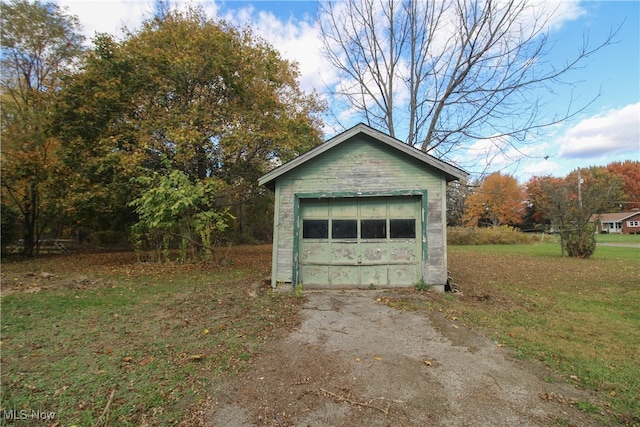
x,y
620,223
362,209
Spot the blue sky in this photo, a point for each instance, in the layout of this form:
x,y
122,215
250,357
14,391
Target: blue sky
x,y
608,130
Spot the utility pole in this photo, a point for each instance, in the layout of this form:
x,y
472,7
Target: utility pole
x,y
579,190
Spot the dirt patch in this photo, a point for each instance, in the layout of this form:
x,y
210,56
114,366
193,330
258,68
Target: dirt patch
x,y
356,361
84,270
36,282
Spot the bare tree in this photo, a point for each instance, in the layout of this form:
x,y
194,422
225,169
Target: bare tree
x,y
448,73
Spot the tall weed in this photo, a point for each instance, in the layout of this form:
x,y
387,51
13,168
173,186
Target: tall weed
x,y
502,235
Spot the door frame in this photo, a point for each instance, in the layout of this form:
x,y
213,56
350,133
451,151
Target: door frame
x,y
356,194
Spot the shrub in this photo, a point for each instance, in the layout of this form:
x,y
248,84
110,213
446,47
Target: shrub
x,y
171,209
501,235
579,242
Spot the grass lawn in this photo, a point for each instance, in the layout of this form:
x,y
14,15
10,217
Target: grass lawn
x,y
102,340
106,341
618,238
579,317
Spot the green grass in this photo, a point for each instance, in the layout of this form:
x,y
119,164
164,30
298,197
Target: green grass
x,y
550,249
580,317
159,339
618,238
545,249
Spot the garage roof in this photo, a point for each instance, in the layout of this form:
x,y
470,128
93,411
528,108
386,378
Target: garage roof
x,y
451,172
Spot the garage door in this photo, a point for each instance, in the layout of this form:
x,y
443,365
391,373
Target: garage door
x,y
360,241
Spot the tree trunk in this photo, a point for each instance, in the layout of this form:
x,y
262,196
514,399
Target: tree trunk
x,y
30,216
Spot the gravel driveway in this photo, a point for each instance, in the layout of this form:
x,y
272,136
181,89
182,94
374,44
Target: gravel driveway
x,y
355,361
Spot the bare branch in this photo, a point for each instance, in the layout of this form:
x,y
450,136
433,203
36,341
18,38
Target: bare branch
x,y
444,74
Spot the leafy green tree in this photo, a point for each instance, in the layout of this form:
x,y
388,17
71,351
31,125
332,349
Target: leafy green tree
x,y
40,44
215,102
95,116
9,219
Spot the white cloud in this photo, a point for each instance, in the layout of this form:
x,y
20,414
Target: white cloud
x,y
615,132
298,41
598,140
108,16
595,141
542,167
561,12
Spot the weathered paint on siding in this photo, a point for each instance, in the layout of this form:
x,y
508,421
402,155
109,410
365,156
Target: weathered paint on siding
x,y
283,243
388,260
435,272
361,165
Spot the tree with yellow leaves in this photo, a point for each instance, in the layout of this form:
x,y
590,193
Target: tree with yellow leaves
x,y
40,44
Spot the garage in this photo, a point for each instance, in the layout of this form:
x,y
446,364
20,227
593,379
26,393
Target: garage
x,y
362,209
360,241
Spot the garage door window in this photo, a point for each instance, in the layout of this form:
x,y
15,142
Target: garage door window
x,y
373,228
344,229
315,229
402,228
369,229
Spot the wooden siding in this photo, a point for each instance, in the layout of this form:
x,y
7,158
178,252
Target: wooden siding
x,y
435,272
365,165
283,236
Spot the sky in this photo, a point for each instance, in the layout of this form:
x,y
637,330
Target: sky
x,y
607,130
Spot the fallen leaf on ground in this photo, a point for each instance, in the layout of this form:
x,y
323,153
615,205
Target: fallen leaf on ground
x,y
146,361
